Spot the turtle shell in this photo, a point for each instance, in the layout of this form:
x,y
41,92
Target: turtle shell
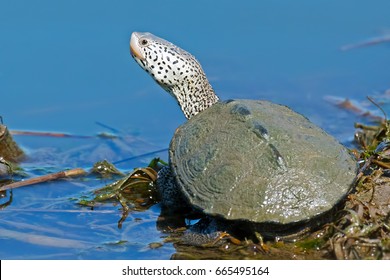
x,y
261,162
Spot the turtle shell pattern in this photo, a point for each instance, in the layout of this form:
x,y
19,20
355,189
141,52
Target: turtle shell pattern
x,y
261,162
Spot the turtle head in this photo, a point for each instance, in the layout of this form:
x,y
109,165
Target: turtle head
x,y
175,70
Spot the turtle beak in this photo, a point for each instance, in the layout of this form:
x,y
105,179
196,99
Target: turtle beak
x,y
134,47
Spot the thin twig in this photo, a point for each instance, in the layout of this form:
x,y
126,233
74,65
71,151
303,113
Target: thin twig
x,y
49,134
139,156
45,178
381,164
372,41
379,107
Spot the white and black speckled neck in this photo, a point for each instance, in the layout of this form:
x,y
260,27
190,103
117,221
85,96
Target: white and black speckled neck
x,y
177,71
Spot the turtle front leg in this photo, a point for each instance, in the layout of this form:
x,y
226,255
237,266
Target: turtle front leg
x,y
171,198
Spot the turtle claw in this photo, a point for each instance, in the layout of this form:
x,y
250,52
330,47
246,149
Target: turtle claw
x,y
222,236
261,245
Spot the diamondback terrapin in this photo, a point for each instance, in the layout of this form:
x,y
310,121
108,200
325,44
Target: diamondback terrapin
x,y
250,161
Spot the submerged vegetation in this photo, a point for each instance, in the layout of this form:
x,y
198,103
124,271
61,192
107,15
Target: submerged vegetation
x,y
135,191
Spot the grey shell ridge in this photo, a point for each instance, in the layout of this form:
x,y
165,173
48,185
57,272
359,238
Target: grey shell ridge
x,y
259,161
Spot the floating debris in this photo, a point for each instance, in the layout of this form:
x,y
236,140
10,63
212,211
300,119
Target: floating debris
x,y
363,232
44,178
366,43
105,169
155,245
9,150
135,191
360,109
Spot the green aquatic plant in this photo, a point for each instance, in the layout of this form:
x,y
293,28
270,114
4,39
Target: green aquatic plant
x,y
135,191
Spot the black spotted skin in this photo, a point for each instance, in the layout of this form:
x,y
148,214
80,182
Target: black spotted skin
x,y
177,71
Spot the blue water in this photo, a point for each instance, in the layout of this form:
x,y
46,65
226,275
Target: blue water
x,y
65,65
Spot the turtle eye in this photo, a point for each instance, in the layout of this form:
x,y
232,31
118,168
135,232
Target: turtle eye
x,y
144,42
